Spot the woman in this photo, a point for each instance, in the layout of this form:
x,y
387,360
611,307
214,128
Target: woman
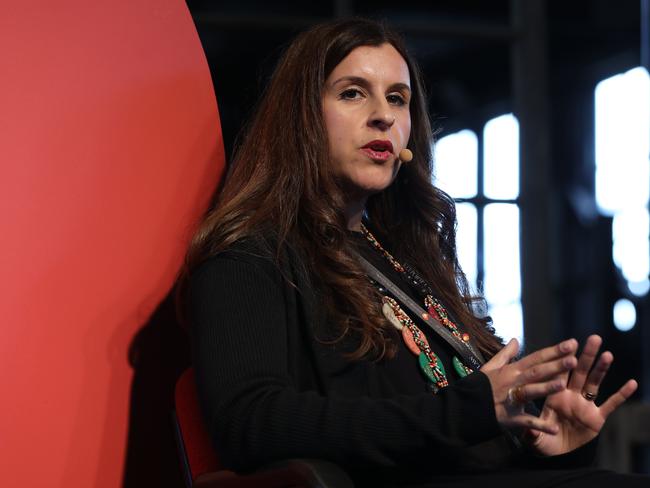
x,y
300,352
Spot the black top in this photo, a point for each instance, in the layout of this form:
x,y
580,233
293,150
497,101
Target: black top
x,y
273,387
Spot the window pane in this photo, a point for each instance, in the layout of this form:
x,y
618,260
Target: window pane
x,y
631,252
622,146
456,164
508,321
624,315
466,240
501,157
622,110
502,284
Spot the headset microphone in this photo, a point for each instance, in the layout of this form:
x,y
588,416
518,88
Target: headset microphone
x,y
405,155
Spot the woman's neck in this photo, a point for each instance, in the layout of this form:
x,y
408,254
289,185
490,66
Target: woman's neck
x,y
354,214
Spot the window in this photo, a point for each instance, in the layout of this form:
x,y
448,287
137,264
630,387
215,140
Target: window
x,y
622,111
481,172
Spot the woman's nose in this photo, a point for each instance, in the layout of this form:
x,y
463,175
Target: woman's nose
x,y
382,116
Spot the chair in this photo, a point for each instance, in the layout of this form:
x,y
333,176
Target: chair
x,y
201,465
628,428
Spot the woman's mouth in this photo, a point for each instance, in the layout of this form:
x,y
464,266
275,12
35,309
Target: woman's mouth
x,y
378,150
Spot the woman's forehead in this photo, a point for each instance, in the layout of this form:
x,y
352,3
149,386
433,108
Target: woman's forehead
x,y
382,62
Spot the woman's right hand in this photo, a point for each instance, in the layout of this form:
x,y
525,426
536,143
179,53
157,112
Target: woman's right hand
x,y
534,376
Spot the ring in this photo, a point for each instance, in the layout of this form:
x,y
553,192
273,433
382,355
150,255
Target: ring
x,y
516,396
589,396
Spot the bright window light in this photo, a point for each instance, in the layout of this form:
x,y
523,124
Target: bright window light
x,y
631,250
622,110
624,315
466,240
508,321
502,282
456,172
456,164
501,158
639,288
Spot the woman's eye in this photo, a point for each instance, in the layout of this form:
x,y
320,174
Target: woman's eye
x,y
350,94
396,99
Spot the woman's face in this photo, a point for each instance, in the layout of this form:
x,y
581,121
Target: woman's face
x,y
366,110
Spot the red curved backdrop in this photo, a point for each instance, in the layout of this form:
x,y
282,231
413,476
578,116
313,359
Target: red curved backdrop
x,y
111,147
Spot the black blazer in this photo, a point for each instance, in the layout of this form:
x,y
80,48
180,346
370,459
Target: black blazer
x,y
273,387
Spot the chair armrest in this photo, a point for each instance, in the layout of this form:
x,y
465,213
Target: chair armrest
x,y
292,473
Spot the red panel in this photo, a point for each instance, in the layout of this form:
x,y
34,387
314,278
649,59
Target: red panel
x,y
111,147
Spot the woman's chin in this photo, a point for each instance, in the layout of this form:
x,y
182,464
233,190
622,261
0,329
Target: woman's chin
x,y
373,187
372,183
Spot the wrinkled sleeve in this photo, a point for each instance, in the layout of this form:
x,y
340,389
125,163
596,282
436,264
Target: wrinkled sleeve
x,y
255,413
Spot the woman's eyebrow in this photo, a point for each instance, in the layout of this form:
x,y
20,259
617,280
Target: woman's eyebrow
x,y
358,80
400,86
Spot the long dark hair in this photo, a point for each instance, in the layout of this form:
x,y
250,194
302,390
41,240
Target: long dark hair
x,y
280,181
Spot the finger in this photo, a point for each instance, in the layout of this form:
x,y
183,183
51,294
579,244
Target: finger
x,y
597,374
562,349
503,357
565,376
535,423
509,352
532,436
549,370
618,398
585,362
533,391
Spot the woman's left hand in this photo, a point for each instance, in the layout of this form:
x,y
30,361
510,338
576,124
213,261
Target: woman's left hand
x,y
574,410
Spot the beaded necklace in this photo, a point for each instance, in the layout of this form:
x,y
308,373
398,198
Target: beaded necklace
x,y
413,337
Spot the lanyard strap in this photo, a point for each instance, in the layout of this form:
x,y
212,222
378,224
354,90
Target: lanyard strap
x,y
471,356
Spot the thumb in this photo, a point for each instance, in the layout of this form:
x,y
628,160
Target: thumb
x,y
504,356
532,437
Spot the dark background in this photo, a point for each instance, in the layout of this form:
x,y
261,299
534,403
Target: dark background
x,y
480,59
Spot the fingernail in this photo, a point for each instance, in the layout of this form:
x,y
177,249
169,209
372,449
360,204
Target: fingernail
x,y
568,362
566,345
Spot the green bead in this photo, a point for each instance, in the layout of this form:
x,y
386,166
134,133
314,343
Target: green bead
x,y
427,369
458,366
